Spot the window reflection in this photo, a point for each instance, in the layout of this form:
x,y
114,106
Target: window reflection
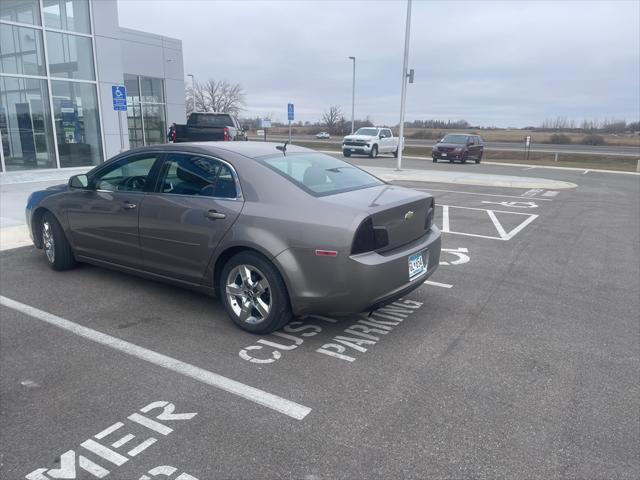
x,y
146,110
21,50
25,124
22,11
70,56
75,108
70,15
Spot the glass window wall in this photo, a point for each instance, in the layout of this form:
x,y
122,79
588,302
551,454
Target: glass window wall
x,y
21,50
71,15
70,56
21,11
146,110
25,124
75,107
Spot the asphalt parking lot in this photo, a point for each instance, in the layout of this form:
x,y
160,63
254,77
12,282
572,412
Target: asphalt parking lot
x,y
519,358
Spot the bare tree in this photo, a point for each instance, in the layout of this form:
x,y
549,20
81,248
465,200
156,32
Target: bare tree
x,y
216,96
331,117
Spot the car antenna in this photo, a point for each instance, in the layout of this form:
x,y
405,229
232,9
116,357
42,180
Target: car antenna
x,y
283,148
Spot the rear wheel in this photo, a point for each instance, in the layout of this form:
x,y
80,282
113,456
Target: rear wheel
x,y
374,152
55,245
479,158
435,159
395,154
464,157
254,294
346,153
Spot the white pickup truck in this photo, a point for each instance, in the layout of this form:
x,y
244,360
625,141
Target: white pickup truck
x,y
370,141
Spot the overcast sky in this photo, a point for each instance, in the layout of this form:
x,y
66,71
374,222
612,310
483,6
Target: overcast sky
x,y
508,63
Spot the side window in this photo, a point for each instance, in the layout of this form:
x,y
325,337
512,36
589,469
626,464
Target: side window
x,y
389,134
127,175
184,174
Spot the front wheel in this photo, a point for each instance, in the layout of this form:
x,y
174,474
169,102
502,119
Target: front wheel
x,y
55,245
346,153
479,158
464,158
435,159
374,152
254,294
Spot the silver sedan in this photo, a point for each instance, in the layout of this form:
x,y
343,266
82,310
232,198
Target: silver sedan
x,y
274,231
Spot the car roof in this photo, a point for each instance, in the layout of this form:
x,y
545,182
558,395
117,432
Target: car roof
x,y
246,149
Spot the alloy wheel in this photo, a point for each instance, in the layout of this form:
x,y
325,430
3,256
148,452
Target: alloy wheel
x,y
48,242
249,294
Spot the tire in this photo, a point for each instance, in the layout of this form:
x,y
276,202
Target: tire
x,y
374,152
464,157
451,160
435,160
479,158
56,247
261,303
395,154
346,153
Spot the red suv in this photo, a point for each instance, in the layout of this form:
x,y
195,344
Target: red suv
x,y
458,146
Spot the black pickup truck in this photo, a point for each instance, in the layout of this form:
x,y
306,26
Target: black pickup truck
x,y
210,127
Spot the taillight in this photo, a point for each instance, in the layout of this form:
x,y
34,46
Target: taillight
x,y
225,134
369,238
431,215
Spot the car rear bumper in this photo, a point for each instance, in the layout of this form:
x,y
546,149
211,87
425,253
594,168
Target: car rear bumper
x,y
355,283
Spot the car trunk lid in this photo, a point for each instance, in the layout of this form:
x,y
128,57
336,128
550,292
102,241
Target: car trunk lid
x,y
399,211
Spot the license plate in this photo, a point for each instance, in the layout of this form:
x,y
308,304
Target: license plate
x,y
443,154
417,264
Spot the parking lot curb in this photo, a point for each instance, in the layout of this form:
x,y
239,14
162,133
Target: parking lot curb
x,y
462,178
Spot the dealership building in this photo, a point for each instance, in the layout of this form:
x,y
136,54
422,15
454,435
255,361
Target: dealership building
x,y
59,61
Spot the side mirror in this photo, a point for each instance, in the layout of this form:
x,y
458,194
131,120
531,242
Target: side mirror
x,y
382,135
79,181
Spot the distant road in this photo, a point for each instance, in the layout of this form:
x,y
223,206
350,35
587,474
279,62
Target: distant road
x,y
512,147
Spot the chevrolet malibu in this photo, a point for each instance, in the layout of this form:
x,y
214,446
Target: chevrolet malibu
x,y
274,231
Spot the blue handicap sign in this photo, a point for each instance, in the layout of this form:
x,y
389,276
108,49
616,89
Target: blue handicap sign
x,y
290,111
119,95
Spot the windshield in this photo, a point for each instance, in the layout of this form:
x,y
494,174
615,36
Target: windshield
x,y
461,139
210,120
372,132
320,174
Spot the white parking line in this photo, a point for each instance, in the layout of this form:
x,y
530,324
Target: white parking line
x,y
438,284
474,193
279,404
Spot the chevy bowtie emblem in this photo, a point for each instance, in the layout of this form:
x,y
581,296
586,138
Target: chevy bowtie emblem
x,y
408,215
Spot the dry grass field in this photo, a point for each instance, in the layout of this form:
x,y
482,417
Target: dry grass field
x,y
575,160
493,135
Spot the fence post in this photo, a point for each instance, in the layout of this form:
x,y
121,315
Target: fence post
x,y
556,157
638,166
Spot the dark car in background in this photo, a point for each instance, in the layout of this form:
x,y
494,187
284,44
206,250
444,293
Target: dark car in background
x,y
458,146
210,127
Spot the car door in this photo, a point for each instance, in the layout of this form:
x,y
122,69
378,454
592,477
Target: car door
x,y
390,141
195,201
104,218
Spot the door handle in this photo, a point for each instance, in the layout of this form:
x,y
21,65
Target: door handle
x,y
214,215
129,206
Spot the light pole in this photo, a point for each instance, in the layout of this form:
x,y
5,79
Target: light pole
x,y
193,91
353,96
403,97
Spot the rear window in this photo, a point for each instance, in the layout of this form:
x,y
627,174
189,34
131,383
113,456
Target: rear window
x,y
210,120
461,139
320,174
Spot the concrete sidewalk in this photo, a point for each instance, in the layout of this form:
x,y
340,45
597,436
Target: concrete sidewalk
x,y
15,188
